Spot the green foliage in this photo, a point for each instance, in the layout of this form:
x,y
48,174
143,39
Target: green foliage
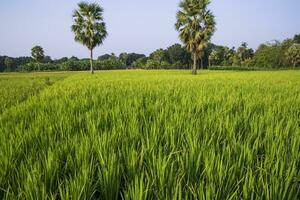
x,y
296,39
129,58
89,27
9,63
124,58
195,24
37,54
105,57
111,63
74,65
16,88
221,55
243,55
34,66
159,55
140,63
154,135
152,64
155,64
178,55
2,65
293,55
272,55
237,68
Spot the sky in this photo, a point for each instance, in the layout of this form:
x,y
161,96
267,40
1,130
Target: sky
x,y
140,26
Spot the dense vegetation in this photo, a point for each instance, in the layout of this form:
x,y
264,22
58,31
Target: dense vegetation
x,y
274,55
154,135
15,88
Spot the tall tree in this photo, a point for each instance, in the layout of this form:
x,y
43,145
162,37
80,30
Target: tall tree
x,y
293,54
37,54
195,24
89,27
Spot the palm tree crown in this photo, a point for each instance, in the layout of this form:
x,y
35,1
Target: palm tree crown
x,y
196,25
89,26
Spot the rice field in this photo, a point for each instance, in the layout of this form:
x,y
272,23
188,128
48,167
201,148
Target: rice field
x,y
17,87
151,135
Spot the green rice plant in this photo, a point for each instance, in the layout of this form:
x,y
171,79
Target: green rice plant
x,y
15,88
154,135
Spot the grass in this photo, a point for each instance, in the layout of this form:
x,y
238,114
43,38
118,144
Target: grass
x,y
250,68
155,135
17,87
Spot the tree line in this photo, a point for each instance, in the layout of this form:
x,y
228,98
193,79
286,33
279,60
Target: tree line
x,y
270,55
195,24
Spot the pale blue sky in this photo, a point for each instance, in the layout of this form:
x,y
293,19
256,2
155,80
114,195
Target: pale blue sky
x,y
139,25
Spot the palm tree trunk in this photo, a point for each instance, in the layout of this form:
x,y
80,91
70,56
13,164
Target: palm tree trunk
x,y
194,65
91,61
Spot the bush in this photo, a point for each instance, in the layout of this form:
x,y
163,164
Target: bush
x,y
32,66
238,68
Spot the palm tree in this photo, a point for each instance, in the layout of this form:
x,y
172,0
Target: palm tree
x,y
89,26
195,24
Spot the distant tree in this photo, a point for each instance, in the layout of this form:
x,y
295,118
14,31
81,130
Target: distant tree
x,y
89,27
177,54
74,58
159,55
9,64
104,57
20,61
228,56
293,55
283,48
124,58
214,58
61,60
297,39
196,25
2,65
47,59
221,55
153,64
243,52
243,55
37,54
132,57
267,56
140,63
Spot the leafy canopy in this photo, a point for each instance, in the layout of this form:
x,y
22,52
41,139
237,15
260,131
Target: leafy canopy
x,y
293,54
37,53
196,24
89,27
